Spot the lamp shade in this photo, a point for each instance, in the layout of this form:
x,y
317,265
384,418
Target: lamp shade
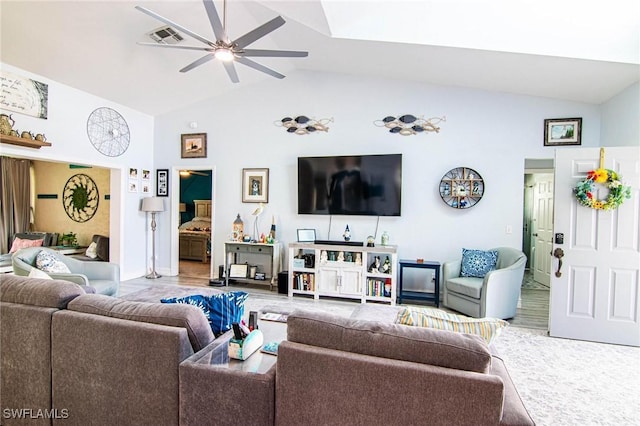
x,y
152,204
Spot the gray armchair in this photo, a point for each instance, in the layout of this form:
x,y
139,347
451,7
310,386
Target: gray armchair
x,y
496,295
104,277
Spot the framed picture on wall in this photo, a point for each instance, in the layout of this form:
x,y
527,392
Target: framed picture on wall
x,y
562,131
162,182
194,145
255,185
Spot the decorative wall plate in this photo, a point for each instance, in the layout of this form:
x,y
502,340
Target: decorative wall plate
x,y
461,188
80,197
108,132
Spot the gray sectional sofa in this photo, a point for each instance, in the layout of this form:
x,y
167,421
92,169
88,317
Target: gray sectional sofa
x,y
99,360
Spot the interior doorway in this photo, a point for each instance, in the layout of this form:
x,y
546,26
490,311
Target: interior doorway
x,y
195,217
537,232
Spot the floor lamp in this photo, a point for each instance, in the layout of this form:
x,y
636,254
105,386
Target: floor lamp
x,y
153,205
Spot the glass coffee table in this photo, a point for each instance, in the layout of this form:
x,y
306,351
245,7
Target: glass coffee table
x,y
242,392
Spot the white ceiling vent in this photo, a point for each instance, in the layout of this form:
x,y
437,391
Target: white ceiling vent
x,y
165,35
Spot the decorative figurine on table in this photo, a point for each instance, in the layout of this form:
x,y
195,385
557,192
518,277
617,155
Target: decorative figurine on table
x,y
237,233
341,256
323,257
375,266
386,266
347,234
371,241
358,259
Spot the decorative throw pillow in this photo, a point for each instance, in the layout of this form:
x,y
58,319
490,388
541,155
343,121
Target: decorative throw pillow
x,y
92,251
20,243
487,328
477,263
37,273
49,263
221,310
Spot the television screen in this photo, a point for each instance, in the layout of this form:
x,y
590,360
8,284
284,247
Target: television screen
x,y
368,185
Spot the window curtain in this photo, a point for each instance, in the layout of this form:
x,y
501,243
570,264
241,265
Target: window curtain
x,y
15,206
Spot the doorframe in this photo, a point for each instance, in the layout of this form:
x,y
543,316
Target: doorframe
x,y
175,216
532,171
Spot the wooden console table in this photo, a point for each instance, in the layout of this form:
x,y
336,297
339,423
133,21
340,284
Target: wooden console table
x,y
236,252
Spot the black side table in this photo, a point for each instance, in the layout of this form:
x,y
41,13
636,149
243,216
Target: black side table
x,y
419,295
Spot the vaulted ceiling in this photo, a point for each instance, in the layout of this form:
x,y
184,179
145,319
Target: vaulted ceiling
x,y
580,50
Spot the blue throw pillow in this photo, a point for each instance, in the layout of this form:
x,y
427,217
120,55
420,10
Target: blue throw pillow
x,y
477,263
221,310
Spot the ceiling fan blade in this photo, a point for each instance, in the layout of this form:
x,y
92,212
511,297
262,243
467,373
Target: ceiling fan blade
x,y
175,25
172,46
273,53
259,32
259,67
199,62
214,18
231,70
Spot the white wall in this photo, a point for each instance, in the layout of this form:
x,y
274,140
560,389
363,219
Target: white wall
x,y
490,132
66,129
621,118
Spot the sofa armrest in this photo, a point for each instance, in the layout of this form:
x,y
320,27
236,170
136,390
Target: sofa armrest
x,y
341,387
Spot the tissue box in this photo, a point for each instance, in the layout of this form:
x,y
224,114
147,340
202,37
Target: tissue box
x,y
242,349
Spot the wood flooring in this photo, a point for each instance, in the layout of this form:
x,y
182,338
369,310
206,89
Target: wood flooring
x,y
532,313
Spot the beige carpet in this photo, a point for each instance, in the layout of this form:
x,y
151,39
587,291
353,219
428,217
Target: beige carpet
x,y
561,381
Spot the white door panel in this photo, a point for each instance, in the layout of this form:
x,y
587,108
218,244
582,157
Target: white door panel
x,y
596,297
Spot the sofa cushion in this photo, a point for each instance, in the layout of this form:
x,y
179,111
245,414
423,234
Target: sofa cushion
x,y
221,310
487,328
38,292
477,263
19,243
394,341
91,251
183,316
50,263
469,286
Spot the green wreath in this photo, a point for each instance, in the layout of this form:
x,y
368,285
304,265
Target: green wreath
x,y
618,191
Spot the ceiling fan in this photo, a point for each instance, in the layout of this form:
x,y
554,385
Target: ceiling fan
x,y
225,50
192,172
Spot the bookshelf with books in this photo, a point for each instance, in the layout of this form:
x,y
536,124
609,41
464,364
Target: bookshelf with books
x,y
367,274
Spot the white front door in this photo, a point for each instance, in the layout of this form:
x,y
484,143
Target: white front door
x,y
596,297
542,227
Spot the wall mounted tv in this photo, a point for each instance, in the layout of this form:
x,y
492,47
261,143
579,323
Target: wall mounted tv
x,y
366,185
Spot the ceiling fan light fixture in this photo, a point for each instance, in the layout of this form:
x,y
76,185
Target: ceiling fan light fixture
x,y
224,54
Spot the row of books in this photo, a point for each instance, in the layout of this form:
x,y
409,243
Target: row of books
x,y
304,281
379,287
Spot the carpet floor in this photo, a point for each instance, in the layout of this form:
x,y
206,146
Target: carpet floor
x,y
561,381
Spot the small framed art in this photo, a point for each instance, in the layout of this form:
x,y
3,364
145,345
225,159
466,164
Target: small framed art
x,y
255,185
562,131
162,182
194,145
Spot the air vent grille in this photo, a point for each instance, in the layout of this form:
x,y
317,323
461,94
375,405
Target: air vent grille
x,y
165,35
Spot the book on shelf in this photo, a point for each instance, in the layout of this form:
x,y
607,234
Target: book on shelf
x,y
305,281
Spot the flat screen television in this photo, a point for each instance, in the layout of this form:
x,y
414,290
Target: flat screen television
x,y
365,185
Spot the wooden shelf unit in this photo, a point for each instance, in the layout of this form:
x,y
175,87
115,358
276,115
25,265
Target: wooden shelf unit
x,y
332,276
27,143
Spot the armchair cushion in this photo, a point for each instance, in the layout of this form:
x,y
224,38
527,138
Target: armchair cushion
x,y
37,273
47,262
469,286
477,263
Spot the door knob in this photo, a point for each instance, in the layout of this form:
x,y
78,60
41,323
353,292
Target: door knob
x,y
559,253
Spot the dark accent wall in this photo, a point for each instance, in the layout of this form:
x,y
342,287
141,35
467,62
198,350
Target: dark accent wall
x,y
194,187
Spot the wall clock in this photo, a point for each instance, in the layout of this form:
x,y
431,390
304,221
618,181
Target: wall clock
x,y
108,132
80,198
461,188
